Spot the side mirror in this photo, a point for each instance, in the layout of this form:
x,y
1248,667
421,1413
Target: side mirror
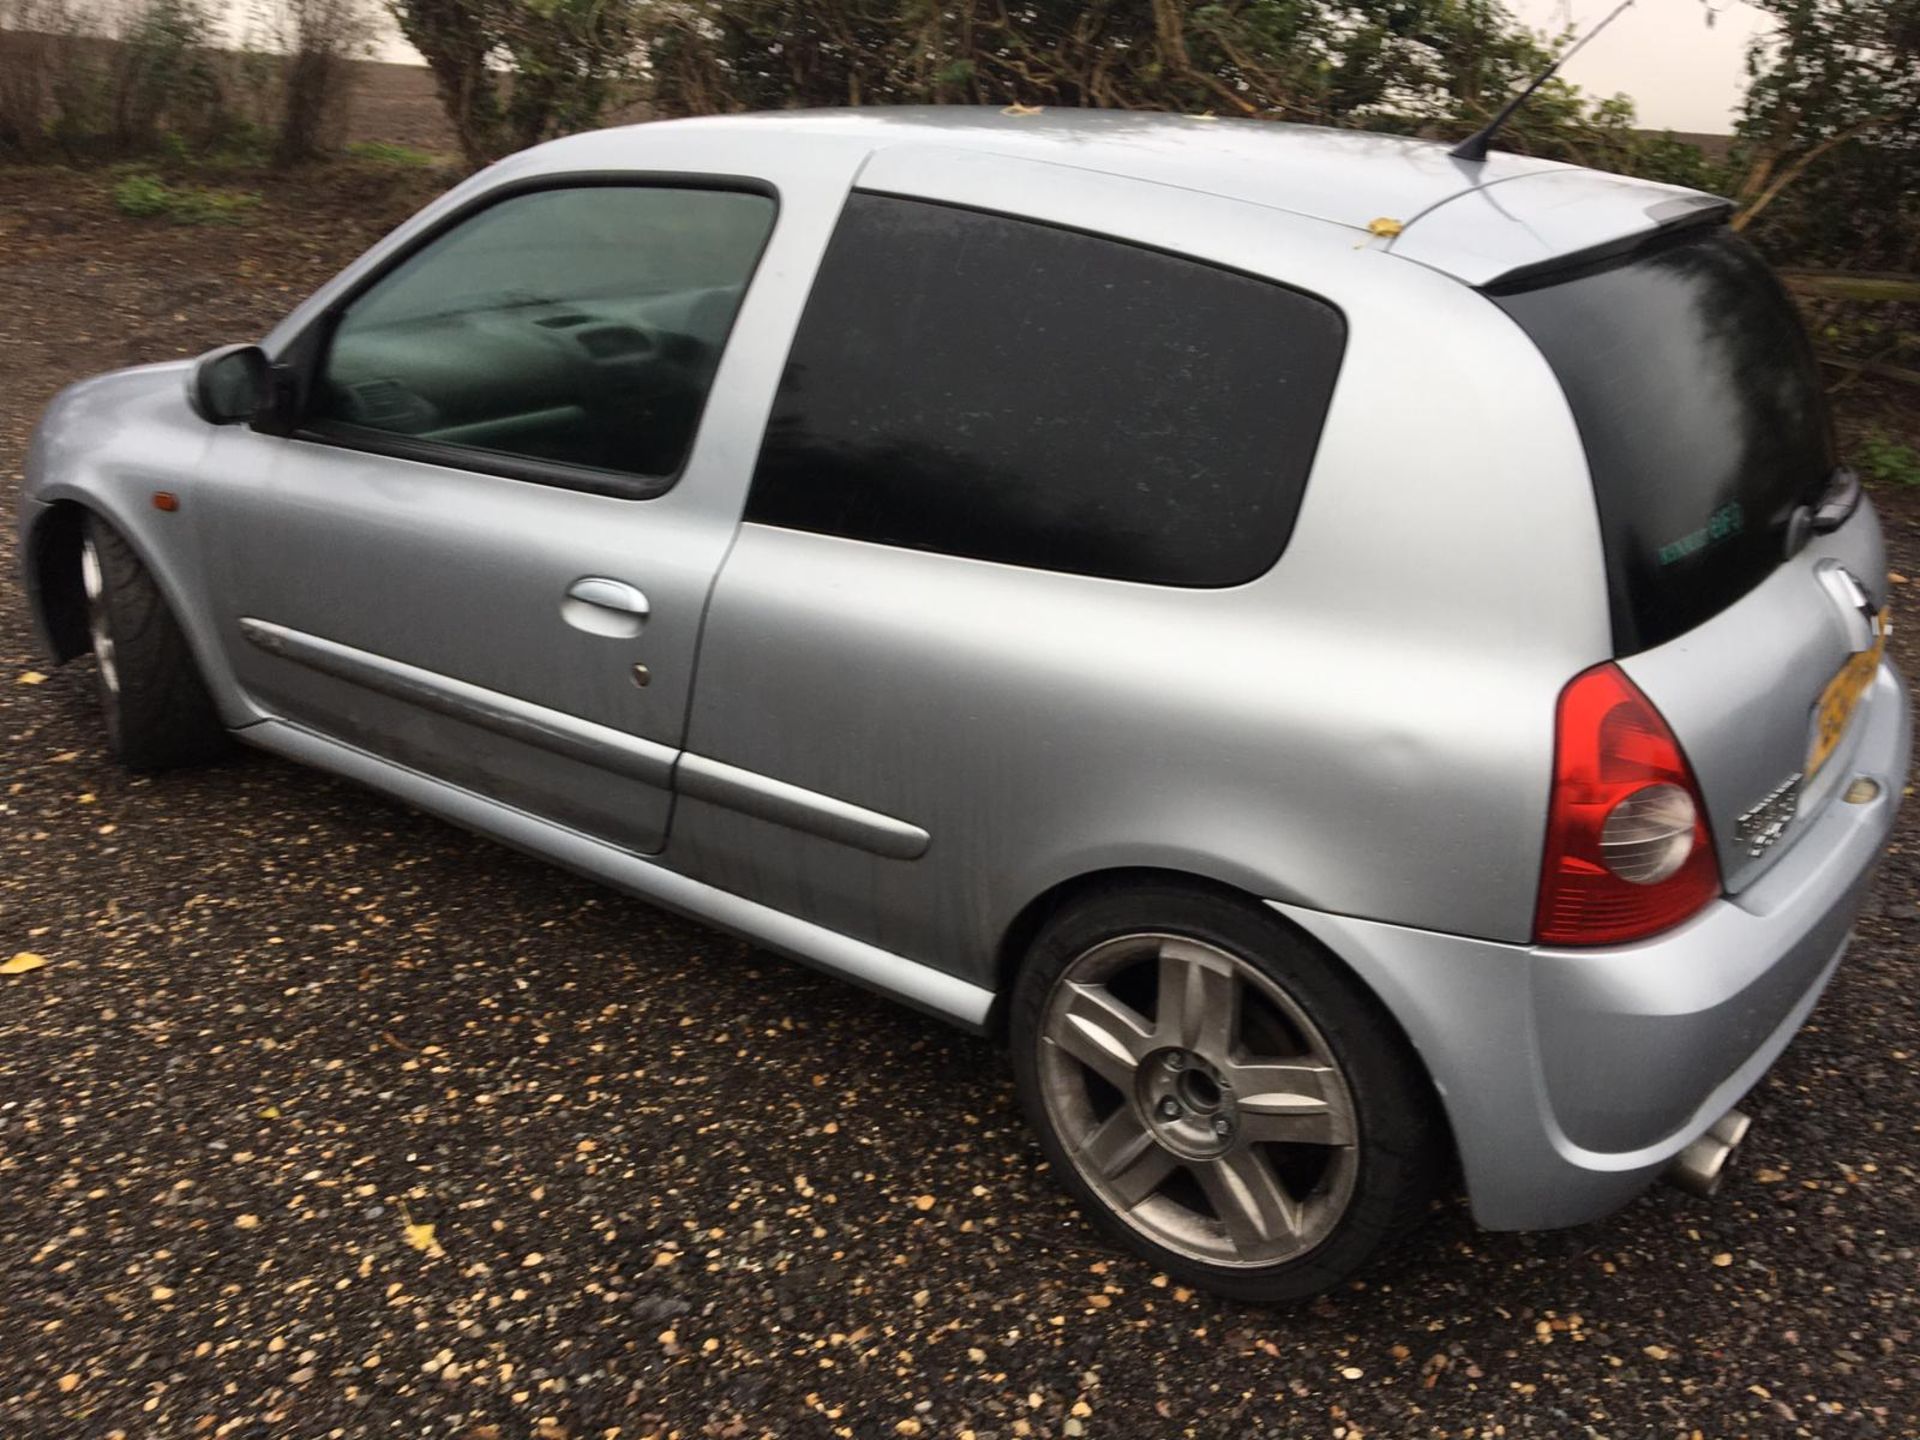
x,y
232,383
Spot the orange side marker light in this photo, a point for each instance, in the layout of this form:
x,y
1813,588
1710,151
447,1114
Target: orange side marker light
x,y
166,500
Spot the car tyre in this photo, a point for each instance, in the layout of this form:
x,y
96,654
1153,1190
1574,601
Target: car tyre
x,y
1221,1096
157,709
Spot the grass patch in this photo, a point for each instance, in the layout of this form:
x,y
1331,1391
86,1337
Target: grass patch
x,y
1887,461
147,197
385,152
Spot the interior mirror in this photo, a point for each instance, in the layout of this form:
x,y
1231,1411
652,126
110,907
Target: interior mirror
x,y
232,383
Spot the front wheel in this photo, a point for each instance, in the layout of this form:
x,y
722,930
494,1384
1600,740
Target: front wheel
x,y
156,705
1219,1094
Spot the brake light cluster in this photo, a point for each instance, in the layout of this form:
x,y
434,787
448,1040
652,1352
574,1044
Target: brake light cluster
x,y
1628,853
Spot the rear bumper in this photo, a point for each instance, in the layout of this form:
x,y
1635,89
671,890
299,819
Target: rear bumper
x,y
1572,1077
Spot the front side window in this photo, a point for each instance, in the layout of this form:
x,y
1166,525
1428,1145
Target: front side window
x,y
1005,390
579,327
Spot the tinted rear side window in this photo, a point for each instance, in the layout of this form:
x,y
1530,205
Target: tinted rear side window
x,y
1697,400
1004,390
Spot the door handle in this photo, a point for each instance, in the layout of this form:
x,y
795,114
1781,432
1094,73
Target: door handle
x,y
601,606
608,595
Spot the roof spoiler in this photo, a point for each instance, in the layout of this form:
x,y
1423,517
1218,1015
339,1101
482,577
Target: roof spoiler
x,y
1670,215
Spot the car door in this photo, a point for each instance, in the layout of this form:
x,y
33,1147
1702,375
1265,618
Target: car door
x,y
1018,481
484,550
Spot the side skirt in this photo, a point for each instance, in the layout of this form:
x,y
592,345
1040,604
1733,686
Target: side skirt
x,y
908,981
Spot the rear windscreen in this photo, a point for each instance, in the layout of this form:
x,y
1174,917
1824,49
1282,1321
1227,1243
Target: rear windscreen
x,y
1695,392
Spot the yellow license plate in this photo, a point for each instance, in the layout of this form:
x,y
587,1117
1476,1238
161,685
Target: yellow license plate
x,y
1834,710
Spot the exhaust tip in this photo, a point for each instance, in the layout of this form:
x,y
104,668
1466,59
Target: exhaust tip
x,y
1701,1167
1732,1127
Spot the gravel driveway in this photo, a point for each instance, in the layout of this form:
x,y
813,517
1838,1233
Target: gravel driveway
x,y
324,1119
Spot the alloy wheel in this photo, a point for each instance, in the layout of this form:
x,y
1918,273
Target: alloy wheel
x,y
100,632
1198,1100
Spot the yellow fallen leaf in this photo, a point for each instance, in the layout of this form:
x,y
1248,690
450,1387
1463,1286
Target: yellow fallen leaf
x,y
1385,227
1018,109
67,1382
923,1202
420,1237
22,962
32,677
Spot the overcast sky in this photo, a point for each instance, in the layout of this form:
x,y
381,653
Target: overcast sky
x,y
1681,74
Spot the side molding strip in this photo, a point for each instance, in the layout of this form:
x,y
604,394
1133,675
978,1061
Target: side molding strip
x,y
553,730
751,793
921,986
746,791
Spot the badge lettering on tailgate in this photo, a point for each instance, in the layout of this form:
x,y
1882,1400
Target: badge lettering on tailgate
x,y
1763,825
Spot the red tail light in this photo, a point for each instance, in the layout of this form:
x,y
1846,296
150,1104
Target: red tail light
x,y
1628,853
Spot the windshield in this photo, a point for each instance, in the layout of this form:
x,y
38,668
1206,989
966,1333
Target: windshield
x,y
1695,392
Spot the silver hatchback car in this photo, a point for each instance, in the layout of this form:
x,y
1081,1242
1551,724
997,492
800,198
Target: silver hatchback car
x,y
1355,663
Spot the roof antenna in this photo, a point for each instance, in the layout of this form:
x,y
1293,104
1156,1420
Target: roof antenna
x,y
1474,147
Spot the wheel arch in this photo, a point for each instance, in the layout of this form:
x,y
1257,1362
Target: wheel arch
x,y
1026,925
55,596
58,602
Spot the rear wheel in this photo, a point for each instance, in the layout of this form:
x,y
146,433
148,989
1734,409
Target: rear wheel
x,y
157,709
1222,1097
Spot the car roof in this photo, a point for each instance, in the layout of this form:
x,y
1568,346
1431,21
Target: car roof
x,y
1480,222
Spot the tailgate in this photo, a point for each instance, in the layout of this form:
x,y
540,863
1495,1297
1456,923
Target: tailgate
x,y
1743,693
1745,574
